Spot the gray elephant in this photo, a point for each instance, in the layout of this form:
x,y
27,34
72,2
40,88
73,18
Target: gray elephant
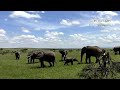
x,y
69,60
116,49
48,56
17,55
63,54
92,51
33,55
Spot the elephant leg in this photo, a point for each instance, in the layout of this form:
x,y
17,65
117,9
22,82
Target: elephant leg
x,y
97,60
89,59
115,53
86,58
42,64
64,58
16,57
71,62
119,52
53,63
28,60
61,58
65,63
33,60
50,64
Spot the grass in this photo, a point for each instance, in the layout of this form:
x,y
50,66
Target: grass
x,y
20,69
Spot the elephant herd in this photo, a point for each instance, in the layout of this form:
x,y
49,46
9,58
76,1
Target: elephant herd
x,y
49,56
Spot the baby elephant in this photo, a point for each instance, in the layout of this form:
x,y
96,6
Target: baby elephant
x,y
69,60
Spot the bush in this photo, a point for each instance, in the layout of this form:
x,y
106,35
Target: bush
x,y
93,71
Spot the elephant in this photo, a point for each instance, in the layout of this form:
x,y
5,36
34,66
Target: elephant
x,y
69,60
32,56
48,56
116,49
17,55
63,54
92,51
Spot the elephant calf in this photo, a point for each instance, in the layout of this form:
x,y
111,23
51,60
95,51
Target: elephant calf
x,y
69,60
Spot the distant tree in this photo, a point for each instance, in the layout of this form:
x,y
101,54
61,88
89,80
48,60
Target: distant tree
x,y
24,50
1,49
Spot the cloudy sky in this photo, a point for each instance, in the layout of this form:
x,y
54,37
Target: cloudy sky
x,y
59,29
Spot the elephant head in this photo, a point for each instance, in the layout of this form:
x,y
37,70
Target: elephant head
x,y
63,54
34,55
83,50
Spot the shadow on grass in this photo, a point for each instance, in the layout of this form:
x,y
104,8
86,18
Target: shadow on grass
x,y
61,60
31,63
85,63
38,67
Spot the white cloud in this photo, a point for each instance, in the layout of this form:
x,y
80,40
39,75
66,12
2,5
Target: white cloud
x,y
2,32
111,38
36,25
6,19
69,23
98,18
23,14
104,18
98,39
111,13
42,11
104,22
3,37
36,11
53,36
33,11
78,37
25,30
24,39
113,29
48,40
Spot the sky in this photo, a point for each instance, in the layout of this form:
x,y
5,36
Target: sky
x,y
59,29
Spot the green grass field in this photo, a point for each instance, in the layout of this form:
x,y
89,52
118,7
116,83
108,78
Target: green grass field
x,y
10,68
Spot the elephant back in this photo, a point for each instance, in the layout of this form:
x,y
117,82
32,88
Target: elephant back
x,y
115,48
96,49
49,53
35,53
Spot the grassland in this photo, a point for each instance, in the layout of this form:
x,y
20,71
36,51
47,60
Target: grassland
x,y
20,69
